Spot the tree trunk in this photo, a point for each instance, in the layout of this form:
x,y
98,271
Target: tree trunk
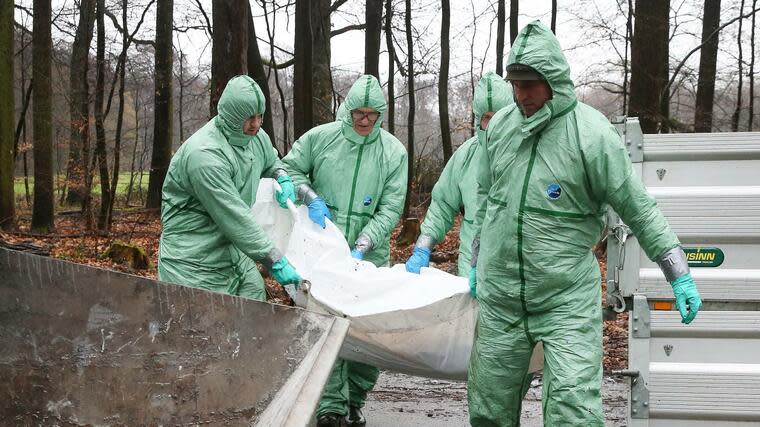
x,y
626,63
514,12
443,82
391,119
649,64
410,117
703,117
751,110
321,83
303,118
740,87
162,122
42,117
100,132
120,114
501,24
136,104
7,118
374,17
79,105
554,17
256,71
229,50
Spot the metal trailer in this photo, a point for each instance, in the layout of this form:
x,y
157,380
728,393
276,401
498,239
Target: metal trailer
x,y
86,346
706,373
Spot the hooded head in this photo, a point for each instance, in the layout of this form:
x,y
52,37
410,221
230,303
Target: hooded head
x,y
537,49
364,93
491,95
241,99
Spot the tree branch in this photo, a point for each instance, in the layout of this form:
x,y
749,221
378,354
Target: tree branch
x,y
336,5
347,28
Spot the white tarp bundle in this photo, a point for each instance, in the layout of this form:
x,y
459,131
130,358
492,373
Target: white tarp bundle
x,y
420,324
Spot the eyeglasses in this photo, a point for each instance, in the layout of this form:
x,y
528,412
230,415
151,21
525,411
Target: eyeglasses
x,y
358,115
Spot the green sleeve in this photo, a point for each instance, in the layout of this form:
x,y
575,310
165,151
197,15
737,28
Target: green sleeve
x,y
391,203
210,178
299,162
446,198
614,181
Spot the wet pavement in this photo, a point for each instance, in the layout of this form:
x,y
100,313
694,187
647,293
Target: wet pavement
x,y
404,401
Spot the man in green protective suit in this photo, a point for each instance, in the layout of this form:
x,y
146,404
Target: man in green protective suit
x,y
455,189
355,173
550,166
210,239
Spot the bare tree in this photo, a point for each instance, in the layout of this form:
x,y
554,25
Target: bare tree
x,y
374,16
79,105
649,64
501,23
514,12
443,82
751,110
100,132
391,63
163,117
410,116
708,58
42,117
120,114
7,108
303,118
739,87
256,71
321,83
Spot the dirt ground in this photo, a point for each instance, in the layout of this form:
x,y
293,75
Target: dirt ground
x,y
403,401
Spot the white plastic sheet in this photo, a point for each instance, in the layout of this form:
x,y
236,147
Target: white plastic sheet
x,y
420,324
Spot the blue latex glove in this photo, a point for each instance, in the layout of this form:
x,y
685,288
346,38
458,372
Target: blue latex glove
x,y
284,273
356,253
420,258
473,281
688,300
288,191
318,211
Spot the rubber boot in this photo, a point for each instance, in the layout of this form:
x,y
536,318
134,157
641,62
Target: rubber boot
x,y
329,420
355,418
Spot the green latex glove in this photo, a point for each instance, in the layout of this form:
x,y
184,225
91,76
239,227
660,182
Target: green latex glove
x,y
473,281
284,273
688,300
288,191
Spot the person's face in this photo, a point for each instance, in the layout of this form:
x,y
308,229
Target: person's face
x,y
531,95
364,120
485,119
252,125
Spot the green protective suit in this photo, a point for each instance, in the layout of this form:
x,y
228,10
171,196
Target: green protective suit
x,y
363,181
210,239
545,182
455,189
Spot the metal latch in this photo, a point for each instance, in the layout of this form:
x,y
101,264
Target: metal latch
x,y
614,298
639,393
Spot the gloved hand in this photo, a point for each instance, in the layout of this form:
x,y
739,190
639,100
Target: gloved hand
x,y
473,281
420,258
288,191
686,295
284,273
356,253
318,211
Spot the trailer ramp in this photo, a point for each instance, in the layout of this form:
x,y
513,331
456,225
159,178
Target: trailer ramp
x,y
83,346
